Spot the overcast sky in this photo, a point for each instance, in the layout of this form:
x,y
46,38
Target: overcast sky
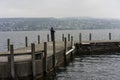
x,y
60,8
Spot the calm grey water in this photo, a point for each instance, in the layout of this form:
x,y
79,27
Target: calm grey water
x,y
97,67
18,37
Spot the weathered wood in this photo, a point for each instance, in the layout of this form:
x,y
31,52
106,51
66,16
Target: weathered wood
x,y
109,36
38,39
45,59
68,37
48,38
26,41
62,37
80,38
54,51
33,60
65,50
71,47
90,36
12,65
8,44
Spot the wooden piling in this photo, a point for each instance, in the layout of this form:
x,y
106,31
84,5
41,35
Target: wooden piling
x,y
54,51
71,47
109,36
68,37
80,38
62,37
45,59
12,65
38,39
65,50
26,41
8,44
48,38
90,37
33,60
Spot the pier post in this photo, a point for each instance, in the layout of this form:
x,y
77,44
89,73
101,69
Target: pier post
x,y
12,65
109,36
54,51
45,59
62,37
38,39
48,38
68,37
8,44
71,47
65,50
80,38
90,37
33,60
26,41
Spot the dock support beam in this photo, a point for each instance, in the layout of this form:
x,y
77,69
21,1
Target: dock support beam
x,y
90,37
65,50
26,41
62,37
54,51
33,60
38,39
80,38
45,59
71,47
12,66
8,44
68,37
48,38
109,36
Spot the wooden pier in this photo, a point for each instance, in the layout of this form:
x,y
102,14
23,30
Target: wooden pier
x,y
37,60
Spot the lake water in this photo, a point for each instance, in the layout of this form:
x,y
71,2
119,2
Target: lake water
x,y
97,67
18,37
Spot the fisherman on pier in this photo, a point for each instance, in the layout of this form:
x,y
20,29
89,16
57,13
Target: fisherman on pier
x,y
52,31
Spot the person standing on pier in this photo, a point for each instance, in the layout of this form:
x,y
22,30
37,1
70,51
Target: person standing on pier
x,y
52,31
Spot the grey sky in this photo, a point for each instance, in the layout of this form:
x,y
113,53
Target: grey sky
x,y
60,8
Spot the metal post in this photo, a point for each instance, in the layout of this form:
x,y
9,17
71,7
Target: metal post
x,y
33,60
12,66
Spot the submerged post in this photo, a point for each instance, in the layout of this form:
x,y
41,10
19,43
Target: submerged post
x,y
80,38
90,37
68,37
65,50
45,59
109,36
38,39
62,37
26,41
8,44
33,60
12,67
48,37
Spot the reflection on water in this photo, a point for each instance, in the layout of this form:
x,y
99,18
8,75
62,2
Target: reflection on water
x,y
97,67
